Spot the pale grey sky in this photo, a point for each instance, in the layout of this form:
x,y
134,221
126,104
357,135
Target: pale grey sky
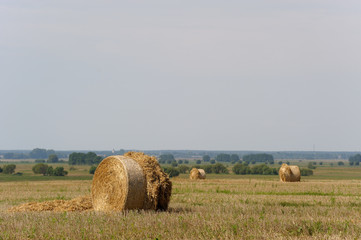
x,y
212,75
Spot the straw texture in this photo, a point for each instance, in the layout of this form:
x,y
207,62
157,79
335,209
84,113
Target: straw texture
x,y
77,204
289,173
197,174
158,185
118,184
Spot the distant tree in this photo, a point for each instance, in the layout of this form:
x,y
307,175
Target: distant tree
x,y
213,161
197,166
163,158
12,155
76,158
321,163
234,158
241,169
9,155
223,157
263,169
280,162
50,171
9,169
306,172
198,162
90,158
219,168
59,171
208,168
171,171
1,170
311,166
183,169
259,157
174,163
180,161
355,160
40,160
340,163
84,159
92,169
38,153
40,168
206,158
186,161
53,158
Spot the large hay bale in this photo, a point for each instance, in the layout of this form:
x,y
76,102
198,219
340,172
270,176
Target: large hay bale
x,y
197,174
289,173
132,181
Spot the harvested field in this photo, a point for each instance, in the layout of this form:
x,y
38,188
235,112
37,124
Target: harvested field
x,y
214,208
77,204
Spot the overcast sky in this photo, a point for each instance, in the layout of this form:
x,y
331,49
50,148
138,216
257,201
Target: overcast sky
x,y
211,75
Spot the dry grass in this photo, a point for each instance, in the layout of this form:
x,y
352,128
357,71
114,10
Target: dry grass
x,y
210,209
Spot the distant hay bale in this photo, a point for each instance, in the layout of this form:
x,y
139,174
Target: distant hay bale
x,y
132,181
197,174
289,173
77,204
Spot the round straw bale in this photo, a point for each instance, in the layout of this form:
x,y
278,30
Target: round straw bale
x,y
289,173
202,173
118,184
158,185
197,174
132,181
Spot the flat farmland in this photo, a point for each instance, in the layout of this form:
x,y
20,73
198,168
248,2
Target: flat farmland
x,y
324,206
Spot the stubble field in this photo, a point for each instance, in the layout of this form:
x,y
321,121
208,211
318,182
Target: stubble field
x,y
220,207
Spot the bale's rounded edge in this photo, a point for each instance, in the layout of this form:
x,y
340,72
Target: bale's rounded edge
x,y
118,184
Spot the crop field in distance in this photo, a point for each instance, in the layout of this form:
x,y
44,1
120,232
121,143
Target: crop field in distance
x,y
326,205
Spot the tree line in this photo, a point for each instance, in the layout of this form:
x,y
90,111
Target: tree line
x,y
36,153
89,158
355,160
262,169
8,169
223,157
217,168
46,170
